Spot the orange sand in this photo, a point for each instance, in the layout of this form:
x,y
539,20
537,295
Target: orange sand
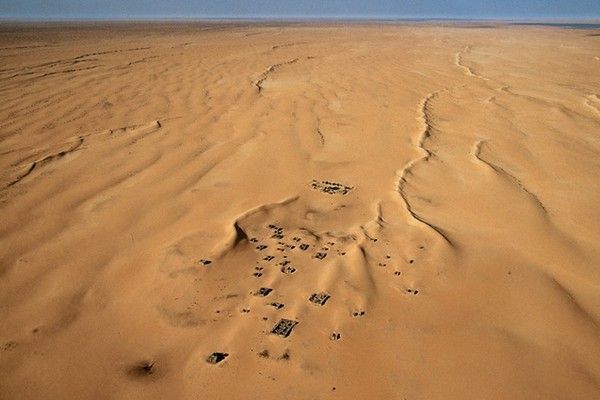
x,y
460,251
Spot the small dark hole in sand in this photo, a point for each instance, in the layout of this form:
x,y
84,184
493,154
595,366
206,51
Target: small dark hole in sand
x,y
144,368
148,368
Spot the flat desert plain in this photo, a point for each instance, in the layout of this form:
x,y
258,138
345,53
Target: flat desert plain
x,y
333,211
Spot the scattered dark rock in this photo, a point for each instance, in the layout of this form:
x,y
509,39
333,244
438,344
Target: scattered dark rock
x,y
264,354
9,346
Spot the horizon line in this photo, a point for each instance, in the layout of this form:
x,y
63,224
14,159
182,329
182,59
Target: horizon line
x,y
292,18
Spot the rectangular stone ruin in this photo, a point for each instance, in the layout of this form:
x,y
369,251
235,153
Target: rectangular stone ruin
x,y
263,291
319,298
216,357
331,187
284,327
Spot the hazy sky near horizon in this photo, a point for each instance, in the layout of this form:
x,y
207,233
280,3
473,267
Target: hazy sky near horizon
x,y
131,9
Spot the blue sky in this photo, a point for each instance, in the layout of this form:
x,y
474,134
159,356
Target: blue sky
x,y
515,9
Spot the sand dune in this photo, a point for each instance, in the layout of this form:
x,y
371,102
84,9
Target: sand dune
x,y
229,211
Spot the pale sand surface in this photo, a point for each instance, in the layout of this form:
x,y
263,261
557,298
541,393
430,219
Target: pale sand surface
x,y
462,254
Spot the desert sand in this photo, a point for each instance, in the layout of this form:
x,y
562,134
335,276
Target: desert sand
x,y
417,204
